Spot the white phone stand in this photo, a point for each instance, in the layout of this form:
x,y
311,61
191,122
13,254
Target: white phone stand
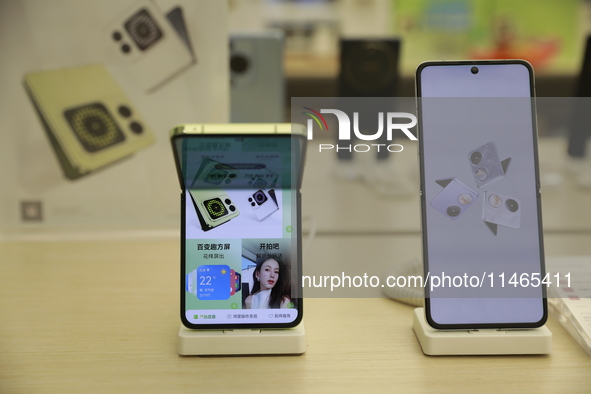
x,y
242,342
480,342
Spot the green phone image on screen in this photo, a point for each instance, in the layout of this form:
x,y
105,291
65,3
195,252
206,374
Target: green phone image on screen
x,y
214,207
89,120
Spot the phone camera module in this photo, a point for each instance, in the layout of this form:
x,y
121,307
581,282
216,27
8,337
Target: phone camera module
x,y
239,64
502,211
124,111
465,199
476,157
260,197
485,164
215,208
474,70
453,211
481,174
368,66
511,205
495,200
136,127
94,127
143,29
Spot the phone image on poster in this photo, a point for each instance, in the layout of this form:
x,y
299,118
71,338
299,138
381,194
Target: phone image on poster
x,y
480,194
240,224
154,46
89,121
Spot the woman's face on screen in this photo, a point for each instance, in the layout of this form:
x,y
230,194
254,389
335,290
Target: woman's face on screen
x,y
269,274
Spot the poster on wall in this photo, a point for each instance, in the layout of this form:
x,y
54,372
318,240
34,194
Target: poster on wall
x,y
89,94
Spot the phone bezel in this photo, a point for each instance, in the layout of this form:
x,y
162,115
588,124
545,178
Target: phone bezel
x,y
425,242
297,281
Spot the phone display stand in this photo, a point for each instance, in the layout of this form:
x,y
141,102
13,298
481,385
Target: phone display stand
x,y
480,342
242,342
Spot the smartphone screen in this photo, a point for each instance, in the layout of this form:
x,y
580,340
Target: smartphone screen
x,y
241,249
480,195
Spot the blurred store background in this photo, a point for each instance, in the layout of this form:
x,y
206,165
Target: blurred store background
x,y
238,61
547,33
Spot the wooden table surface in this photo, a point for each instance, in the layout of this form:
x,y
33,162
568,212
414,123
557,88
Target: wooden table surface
x,y
102,316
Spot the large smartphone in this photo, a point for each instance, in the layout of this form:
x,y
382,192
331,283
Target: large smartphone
x,y
257,83
480,195
241,242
